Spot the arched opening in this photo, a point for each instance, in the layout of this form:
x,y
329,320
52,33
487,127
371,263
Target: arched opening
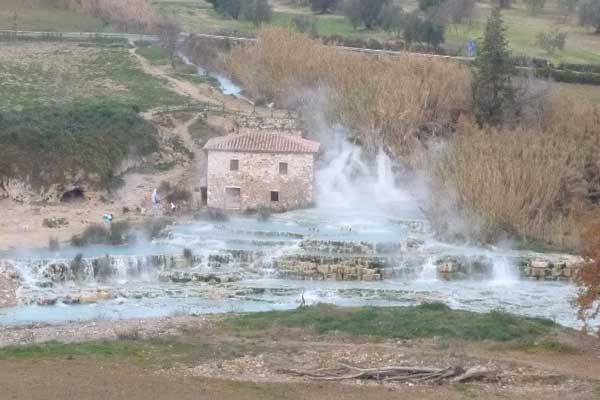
x,y
74,195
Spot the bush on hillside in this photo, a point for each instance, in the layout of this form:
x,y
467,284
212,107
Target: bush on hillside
x,y
257,11
117,233
66,139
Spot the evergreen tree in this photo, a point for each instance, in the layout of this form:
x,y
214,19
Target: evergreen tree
x,y
493,91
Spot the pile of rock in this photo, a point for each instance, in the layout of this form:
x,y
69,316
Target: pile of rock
x,y
551,267
358,268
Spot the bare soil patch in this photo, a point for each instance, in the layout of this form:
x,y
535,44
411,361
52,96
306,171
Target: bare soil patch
x,y
209,359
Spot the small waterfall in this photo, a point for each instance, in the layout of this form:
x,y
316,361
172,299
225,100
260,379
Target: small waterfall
x,y
429,271
504,273
350,180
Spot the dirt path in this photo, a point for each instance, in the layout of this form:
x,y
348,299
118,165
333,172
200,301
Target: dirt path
x,y
99,379
212,361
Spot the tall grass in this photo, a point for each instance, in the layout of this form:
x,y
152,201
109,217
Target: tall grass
x,y
384,102
138,16
530,182
535,179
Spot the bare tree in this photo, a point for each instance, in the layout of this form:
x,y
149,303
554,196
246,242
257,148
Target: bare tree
x,y
168,32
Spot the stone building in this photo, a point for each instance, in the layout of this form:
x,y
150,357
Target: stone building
x,y
258,169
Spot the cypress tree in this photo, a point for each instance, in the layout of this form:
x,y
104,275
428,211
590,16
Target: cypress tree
x,y
493,91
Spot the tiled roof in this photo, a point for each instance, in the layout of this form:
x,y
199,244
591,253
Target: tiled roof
x,y
263,142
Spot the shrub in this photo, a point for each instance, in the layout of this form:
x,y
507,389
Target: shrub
x,y
425,5
323,6
589,14
551,41
256,11
174,194
119,232
392,18
588,277
66,139
187,254
53,244
421,30
305,24
535,6
154,227
364,12
116,234
78,267
455,11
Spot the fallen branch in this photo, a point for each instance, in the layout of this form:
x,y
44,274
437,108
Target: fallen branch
x,y
394,374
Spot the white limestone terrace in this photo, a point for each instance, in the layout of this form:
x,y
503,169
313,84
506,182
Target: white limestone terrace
x,y
234,264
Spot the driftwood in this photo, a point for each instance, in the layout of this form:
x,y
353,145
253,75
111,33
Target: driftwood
x,y
394,374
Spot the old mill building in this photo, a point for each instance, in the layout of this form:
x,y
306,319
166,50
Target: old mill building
x,y
260,169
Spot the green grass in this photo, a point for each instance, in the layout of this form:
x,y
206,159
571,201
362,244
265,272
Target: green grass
x,y
101,349
522,28
160,353
90,137
155,54
427,320
45,17
34,74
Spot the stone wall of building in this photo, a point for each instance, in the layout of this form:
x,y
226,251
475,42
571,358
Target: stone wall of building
x,y
258,175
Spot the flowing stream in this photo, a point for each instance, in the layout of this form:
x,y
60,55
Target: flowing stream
x,y
243,264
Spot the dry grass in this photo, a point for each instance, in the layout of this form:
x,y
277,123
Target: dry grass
x,y
384,102
526,182
127,16
534,181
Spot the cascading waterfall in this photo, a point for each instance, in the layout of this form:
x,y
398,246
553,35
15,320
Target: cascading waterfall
x,y
363,220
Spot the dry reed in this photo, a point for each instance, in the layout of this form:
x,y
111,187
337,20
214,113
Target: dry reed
x,y
528,182
533,180
384,102
138,16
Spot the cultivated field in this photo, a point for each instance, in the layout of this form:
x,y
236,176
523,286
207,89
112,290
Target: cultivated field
x,y
42,73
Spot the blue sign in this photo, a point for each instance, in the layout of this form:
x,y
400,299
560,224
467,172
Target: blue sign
x,y
471,48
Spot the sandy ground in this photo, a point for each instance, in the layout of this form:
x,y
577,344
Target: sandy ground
x,y
21,224
233,365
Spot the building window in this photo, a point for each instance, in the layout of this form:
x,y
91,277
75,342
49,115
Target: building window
x,y
274,196
234,165
283,168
